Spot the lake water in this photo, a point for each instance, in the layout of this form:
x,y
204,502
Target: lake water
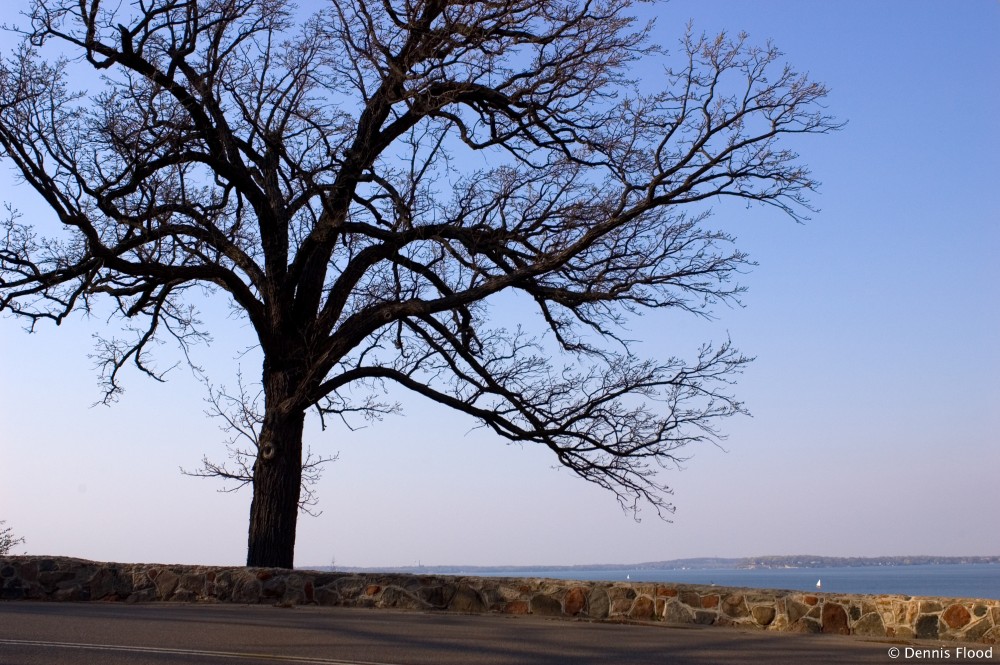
x,y
955,580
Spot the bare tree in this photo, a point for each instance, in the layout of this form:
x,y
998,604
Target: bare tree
x,y
8,540
361,184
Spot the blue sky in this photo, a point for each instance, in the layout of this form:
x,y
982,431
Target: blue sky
x,y
874,428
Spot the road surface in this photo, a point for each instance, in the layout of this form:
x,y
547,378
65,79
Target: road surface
x,y
34,633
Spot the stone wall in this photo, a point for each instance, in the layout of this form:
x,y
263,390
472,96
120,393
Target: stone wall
x,y
895,616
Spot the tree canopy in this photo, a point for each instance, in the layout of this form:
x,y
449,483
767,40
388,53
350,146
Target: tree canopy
x,y
362,182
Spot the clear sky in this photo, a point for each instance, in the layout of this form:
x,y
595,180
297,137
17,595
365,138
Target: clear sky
x,y
874,394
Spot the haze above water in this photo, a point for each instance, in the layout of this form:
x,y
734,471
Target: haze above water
x,y
950,580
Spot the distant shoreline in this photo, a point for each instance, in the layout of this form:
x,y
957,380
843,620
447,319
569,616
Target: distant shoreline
x,y
701,563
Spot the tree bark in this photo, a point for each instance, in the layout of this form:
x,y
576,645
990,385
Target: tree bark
x,y
277,479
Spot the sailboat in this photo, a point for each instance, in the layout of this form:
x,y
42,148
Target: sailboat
x,y
819,584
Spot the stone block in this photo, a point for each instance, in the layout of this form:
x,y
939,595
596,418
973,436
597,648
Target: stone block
x,y
854,611
349,587
166,583
869,625
710,601
805,625
835,619
273,587
704,617
763,615
516,607
643,609
436,596
930,606
398,598
575,601
675,612
621,593
780,623
690,598
193,582
544,605
221,587
103,584
323,579
246,590
956,616
976,630
598,603
620,606
51,578
326,596
29,571
927,627
734,606
467,600
906,612
12,590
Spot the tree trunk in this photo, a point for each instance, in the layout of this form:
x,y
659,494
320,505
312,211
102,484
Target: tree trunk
x,y
277,479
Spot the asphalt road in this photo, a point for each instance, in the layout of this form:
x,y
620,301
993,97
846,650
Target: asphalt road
x,y
158,634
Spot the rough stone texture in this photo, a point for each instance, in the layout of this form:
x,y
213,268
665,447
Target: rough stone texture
x,y
895,616
674,612
575,601
516,607
835,619
466,600
796,610
734,606
394,596
763,614
869,625
436,596
599,603
805,625
545,605
956,616
690,598
927,627
642,609
976,631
